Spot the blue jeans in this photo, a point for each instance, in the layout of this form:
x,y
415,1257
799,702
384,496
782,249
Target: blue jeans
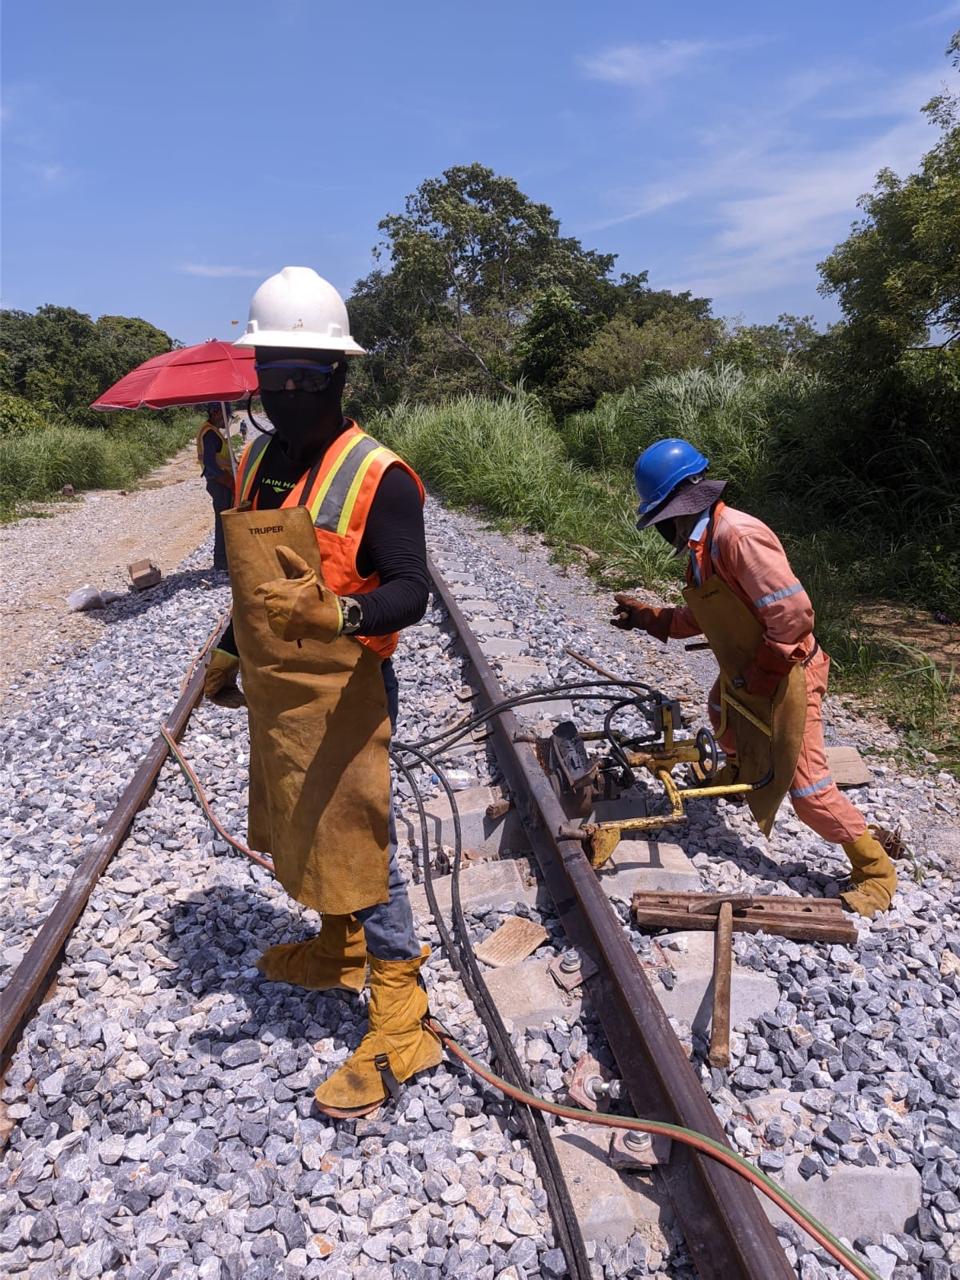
x,y
388,926
222,499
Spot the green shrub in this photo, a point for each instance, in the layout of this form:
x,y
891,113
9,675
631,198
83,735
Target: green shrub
x,y
18,417
36,465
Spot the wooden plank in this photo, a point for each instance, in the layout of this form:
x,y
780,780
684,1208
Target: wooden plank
x,y
719,1055
516,939
803,919
847,767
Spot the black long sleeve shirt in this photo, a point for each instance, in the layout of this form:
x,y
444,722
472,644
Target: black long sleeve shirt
x,y
393,545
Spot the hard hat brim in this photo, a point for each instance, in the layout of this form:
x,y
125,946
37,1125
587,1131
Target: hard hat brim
x,y
305,341
686,500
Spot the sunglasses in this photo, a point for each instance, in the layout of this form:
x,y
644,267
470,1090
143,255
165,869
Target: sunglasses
x,y
294,375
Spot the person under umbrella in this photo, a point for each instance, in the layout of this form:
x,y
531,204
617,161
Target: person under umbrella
x,y
214,458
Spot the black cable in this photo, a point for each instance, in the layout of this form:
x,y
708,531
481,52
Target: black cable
x,y
600,691
538,1135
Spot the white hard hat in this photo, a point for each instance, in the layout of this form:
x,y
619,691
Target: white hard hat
x,y
298,308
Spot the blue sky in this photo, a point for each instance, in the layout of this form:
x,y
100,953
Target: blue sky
x,y
161,159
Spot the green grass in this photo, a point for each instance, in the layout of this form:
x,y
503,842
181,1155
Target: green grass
x,y
34,467
507,458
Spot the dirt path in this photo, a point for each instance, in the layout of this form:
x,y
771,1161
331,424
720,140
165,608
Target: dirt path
x,y
91,539
917,629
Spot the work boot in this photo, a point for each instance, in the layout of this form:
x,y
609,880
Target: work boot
x,y
396,1046
336,959
873,874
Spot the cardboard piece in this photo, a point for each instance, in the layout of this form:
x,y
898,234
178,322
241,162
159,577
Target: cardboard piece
x,y
516,939
847,767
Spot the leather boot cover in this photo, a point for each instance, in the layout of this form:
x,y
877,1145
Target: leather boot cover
x,y
319,732
734,634
336,959
873,874
396,1046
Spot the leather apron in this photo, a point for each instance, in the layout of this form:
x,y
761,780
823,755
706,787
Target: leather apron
x,y
319,732
734,635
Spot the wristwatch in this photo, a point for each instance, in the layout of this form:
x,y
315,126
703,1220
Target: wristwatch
x,y
352,615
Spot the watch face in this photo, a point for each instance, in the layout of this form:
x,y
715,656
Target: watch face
x,y
352,614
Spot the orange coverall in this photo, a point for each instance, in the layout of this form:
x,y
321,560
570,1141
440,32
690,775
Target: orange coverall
x,y
752,562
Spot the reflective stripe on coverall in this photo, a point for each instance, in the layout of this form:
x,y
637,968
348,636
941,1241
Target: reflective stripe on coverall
x,y
750,559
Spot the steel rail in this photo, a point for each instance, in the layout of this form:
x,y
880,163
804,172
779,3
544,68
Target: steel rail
x,y
33,976
726,1231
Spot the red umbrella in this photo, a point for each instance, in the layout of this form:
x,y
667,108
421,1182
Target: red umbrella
x,y
211,370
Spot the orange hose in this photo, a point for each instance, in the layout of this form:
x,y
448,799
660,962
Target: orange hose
x,y
699,1142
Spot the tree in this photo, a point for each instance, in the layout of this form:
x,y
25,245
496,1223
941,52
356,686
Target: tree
x,y
635,297
770,346
897,275
476,288
467,259
624,354
556,330
61,360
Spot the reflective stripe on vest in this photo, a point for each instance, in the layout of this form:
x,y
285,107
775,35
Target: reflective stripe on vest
x,y
336,496
249,466
337,491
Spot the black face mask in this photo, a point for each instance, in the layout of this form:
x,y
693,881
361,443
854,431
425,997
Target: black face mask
x,y
300,418
667,530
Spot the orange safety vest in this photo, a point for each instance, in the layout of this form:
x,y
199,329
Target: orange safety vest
x,y
223,461
339,491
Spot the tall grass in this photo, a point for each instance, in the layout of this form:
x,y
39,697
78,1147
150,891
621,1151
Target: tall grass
x,y
37,465
724,412
505,457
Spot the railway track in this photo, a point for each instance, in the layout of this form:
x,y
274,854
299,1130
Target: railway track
x,y
723,1224
725,1229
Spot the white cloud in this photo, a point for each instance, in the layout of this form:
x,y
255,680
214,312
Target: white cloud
x,y
772,192
779,212
940,15
643,64
650,200
50,173
219,273
903,97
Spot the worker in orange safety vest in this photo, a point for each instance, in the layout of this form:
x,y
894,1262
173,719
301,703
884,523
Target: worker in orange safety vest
x,y
739,582
214,458
327,564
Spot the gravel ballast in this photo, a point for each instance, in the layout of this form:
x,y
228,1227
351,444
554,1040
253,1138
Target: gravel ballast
x,y
161,1100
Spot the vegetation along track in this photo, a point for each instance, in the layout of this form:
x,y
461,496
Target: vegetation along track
x,y
658,1075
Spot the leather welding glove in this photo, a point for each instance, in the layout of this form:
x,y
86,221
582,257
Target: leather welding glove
x,y
762,677
220,679
298,605
632,615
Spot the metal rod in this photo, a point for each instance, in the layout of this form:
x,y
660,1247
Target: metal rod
x,y
38,968
226,434
725,1228
589,662
719,1055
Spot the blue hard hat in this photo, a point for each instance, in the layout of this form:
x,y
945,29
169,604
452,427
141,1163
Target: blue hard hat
x,y
661,467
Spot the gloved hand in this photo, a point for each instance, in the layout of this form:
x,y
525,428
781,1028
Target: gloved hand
x,y
298,605
632,615
220,680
